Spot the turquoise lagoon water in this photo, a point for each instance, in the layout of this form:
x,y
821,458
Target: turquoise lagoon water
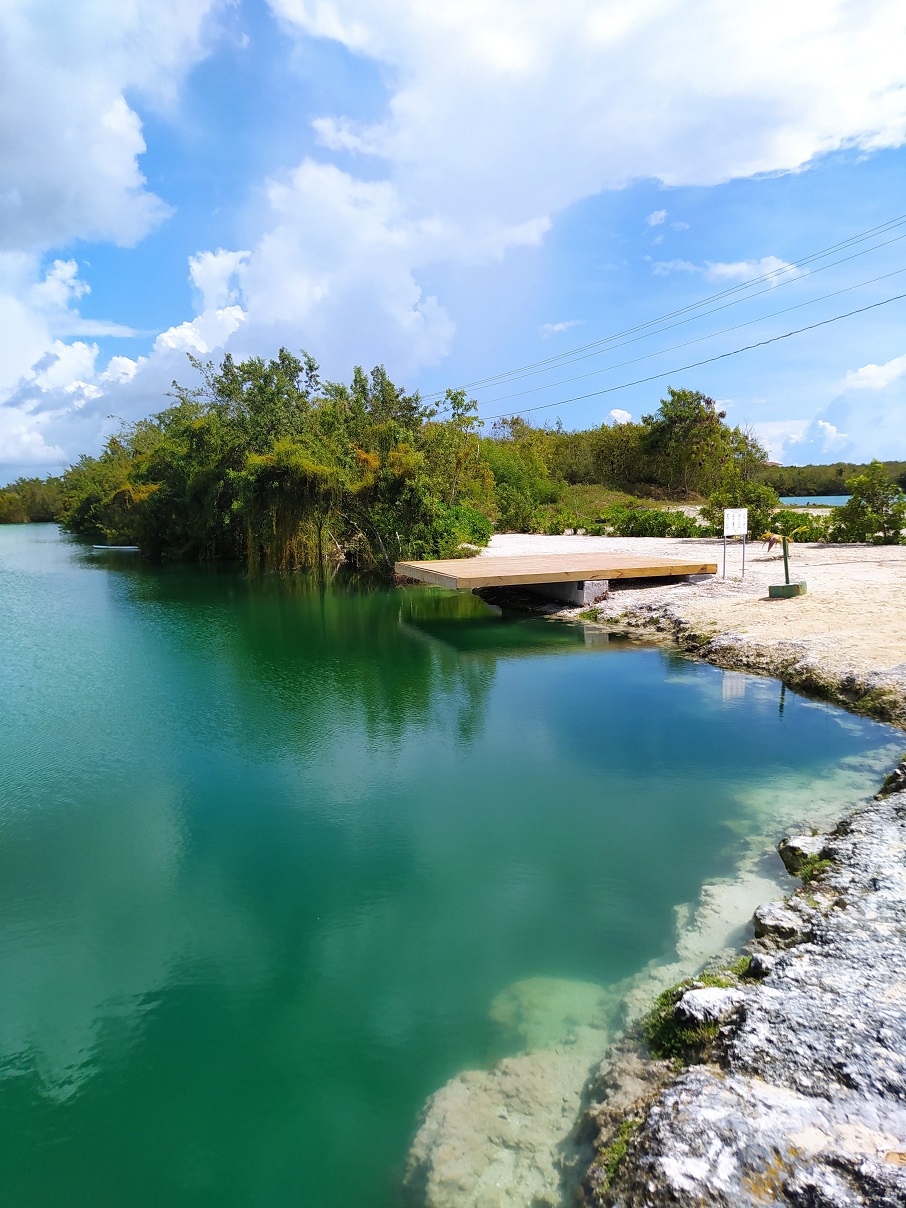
x,y
824,501
268,852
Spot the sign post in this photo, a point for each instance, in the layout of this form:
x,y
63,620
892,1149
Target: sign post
x,y
736,524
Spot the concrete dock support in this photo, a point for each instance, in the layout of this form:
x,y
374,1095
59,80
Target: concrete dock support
x,y
585,591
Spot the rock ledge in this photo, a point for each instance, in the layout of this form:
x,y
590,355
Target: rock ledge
x,y
801,1099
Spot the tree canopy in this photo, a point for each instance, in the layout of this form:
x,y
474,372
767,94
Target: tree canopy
x,y
263,461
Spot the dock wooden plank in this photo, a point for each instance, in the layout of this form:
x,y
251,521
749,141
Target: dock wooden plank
x,y
506,571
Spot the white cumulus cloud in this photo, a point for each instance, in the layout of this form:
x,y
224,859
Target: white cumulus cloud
x,y
70,162
554,329
663,268
512,111
771,267
876,377
214,274
499,115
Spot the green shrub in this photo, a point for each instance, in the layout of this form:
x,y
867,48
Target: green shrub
x,y
620,521
811,528
762,502
875,512
31,500
12,508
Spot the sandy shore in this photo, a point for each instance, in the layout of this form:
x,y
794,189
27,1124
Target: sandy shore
x,y
845,639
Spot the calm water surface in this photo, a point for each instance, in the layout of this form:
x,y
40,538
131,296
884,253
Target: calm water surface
x,y
268,853
824,501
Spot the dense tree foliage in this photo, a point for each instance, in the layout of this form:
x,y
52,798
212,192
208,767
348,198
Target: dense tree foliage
x,y
31,501
876,510
264,461
808,481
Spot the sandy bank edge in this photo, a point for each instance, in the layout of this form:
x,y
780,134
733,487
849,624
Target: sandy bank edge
x,y
877,694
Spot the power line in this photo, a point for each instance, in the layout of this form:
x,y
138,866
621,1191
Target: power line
x,y
692,318
785,271
698,339
697,364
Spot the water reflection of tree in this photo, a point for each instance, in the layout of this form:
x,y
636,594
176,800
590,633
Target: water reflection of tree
x,y
300,658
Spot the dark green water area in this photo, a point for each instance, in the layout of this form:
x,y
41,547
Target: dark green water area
x,y
269,850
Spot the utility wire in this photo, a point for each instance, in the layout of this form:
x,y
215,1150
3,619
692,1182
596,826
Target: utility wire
x,y
698,339
697,364
691,319
785,271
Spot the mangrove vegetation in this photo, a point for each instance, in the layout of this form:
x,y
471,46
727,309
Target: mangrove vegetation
x,y
265,462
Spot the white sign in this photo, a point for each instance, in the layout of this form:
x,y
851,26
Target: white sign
x,y
736,522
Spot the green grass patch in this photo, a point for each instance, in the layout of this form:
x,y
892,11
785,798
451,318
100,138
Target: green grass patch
x,y
812,867
590,506
589,614
740,967
669,1039
610,1157
684,1044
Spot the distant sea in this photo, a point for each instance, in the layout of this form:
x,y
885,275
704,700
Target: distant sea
x,y
824,501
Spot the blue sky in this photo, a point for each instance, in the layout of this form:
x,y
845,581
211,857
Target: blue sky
x,y
454,190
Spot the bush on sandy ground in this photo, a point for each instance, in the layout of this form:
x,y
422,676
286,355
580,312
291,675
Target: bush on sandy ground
x,y
876,510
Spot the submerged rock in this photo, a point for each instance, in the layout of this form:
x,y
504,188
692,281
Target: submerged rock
x,y
548,1011
503,1138
803,1102
799,1094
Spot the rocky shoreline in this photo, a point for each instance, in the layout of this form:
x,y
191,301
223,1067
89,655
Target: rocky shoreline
x,y
877,694
774,1079
794,1086
792,1090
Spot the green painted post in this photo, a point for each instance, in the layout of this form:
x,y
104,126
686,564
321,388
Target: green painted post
x,y
785,591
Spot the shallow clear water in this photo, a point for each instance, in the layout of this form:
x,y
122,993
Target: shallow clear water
x,y
268,853
824,501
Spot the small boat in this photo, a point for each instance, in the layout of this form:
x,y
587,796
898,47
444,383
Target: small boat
x,y
123,549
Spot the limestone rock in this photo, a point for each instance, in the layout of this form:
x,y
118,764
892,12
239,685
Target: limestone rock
x,y
708,1005
761,964
807,1108
797,849
737,1142
780,923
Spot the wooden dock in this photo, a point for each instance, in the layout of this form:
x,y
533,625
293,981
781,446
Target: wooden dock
x,y
510,571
